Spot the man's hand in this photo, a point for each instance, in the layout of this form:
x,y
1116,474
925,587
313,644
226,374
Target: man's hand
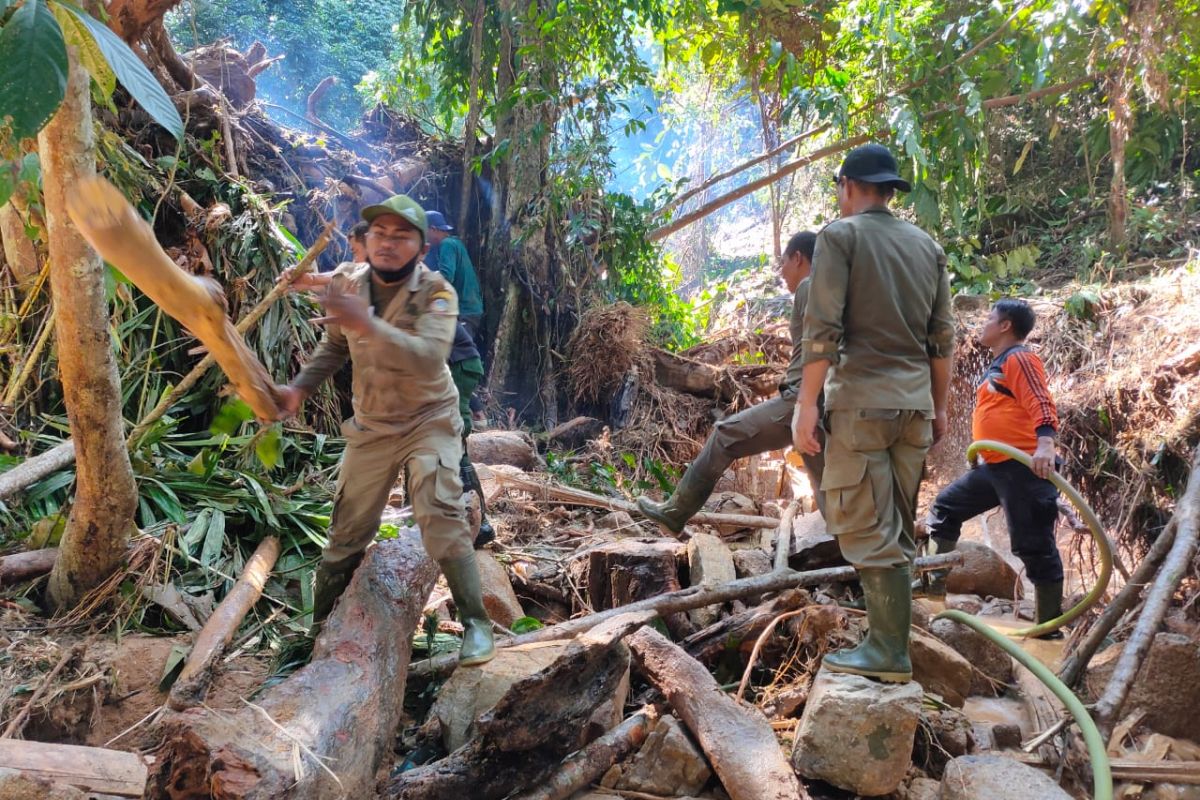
x,y
804,430
941,424
346,309
289,399
1043,457
308,281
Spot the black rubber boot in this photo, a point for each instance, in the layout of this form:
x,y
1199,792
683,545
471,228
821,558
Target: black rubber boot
x,y
932,584
462,575
470,482
883,653
328,585
1048,599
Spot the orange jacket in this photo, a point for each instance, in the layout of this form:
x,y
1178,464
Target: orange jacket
x,y
1013,404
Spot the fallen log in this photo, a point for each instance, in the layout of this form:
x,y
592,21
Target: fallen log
x,y
192,684
93,769
707,644
324,731
685,600
689,376
588,764
738,740
124,239
28,565
32,470
531,728
1158,600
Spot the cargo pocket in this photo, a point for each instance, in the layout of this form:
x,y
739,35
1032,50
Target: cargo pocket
x,y
849,495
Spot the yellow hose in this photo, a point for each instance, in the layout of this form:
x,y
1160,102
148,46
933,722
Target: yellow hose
x,y
1103,545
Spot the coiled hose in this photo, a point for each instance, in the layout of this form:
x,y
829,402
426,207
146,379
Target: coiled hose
x,y
1103,545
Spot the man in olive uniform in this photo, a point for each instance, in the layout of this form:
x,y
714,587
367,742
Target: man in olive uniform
x,y
395,319
466,368
758,429
879,327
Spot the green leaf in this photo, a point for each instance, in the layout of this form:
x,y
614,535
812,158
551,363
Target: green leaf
x,y
230,417
132,73
7,184
214,539
175,661
33,68
526,625
93,60
268,447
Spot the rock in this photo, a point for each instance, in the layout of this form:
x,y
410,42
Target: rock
x,y
983,572
1167,791
939,669
1165,685
993,668
967,603
730,503
15,785
668,764
498,596
922,614
750,562
989,777
943,734
514,448
920,789
575,433
812,546
709,564
470,692
617,521
1006,736
857,734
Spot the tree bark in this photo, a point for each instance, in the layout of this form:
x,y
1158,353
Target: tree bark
x,y
1120,115
343,708
473,105
737,739
130,19
20,567
94,542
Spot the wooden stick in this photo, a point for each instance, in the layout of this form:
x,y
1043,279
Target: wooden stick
x,y
579,497
1074,666
18,722
22,566
684,600
783,538
93,769
1158,600
1130,769
32,470
588,764
737,739
192,685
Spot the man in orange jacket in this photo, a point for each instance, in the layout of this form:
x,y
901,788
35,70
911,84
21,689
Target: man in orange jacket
x,y
1012,405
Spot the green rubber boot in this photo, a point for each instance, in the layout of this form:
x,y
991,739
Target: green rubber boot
x,y
1048,599
462,574
328,585
694,488
932,584
883,653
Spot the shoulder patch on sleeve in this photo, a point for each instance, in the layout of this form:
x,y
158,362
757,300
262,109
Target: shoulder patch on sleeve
x,y
441,302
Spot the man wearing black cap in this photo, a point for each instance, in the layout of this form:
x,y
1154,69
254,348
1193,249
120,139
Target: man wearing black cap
x,y
448,255
879,327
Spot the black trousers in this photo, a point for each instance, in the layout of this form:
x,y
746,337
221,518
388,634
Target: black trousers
x,y
1030,507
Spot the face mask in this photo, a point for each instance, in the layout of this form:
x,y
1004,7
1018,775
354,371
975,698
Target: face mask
x,y
397,275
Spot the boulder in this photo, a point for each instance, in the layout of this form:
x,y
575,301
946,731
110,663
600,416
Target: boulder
x,y
514,448
471,692
920,789
750,562
942,735
617,521
967,603
856,733
983,572
939,669
922,614
993,668
498,596
1165,685
989,777
669,764
709,564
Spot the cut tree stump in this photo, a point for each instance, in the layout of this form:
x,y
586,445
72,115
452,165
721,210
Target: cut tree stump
x,y
537,722
737,739
324,731
623,572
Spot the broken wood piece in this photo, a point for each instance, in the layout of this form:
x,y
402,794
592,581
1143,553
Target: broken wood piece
x,y
737,739
124,239
684,600
315,97
1130,769
687,375
92,769
192,685
585,766
783,536
324,731
708,643
20,567
623,572
33,469
535,724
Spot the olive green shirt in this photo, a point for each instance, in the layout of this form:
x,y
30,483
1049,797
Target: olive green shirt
x,y
878,310
795,368
400,380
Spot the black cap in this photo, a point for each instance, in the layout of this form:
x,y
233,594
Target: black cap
x,y
873,163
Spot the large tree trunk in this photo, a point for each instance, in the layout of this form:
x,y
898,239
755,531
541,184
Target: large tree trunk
x,y
343,708
474,102
93,545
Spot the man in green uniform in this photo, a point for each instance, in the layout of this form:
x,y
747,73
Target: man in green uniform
x,y
758,429
466,368
448,255
394,318
879,326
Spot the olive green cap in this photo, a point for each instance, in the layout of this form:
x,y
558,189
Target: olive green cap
x,y
402,206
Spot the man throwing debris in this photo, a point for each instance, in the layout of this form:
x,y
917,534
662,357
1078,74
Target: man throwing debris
x,y
395,319
879,326
758,429
1012,405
